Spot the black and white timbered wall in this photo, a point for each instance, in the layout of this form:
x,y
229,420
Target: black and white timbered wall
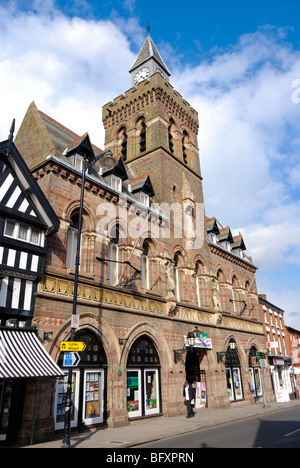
x,y
22,248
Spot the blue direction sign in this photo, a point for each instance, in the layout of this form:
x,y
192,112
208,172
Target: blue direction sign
x,y
71,359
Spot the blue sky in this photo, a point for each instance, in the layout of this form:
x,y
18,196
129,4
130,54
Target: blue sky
x,y
237,63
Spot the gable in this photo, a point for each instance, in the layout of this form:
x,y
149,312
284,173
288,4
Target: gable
x,y
20,195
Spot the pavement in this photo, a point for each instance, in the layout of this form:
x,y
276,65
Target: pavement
x,y
141,431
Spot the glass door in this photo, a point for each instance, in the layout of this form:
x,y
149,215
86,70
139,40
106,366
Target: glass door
x,y
5,403
60,399
229,384
134,403
151,391
237,384
93,396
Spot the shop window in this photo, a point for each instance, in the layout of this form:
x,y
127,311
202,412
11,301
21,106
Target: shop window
x,y
143,379
255,374
233,375
88,386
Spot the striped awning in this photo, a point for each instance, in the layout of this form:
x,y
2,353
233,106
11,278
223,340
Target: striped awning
x,y
23,356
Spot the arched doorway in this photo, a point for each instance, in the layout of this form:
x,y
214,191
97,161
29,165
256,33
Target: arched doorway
x,y
143,379
233,375
88,385
255,374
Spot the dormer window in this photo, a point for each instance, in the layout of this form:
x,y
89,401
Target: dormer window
x,y
116,183
145,199
76,160
227,246
213,238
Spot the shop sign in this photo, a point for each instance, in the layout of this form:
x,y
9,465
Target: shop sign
x,y
278,362
200,343
260,355
132,381
272,344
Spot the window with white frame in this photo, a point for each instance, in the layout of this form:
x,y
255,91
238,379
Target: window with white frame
x,y
113,257
144,198
116,183
72,239
22,232
145,266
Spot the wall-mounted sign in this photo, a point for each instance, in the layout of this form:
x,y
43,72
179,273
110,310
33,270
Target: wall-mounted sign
x,y
200,343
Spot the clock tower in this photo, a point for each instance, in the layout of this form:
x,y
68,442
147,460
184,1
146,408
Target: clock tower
x,y
155,130
147,63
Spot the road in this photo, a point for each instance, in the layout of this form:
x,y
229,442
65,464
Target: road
x,y
280,429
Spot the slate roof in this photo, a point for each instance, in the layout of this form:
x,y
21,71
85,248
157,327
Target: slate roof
x,y
148,51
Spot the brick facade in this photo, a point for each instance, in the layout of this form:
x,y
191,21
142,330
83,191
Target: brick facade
x,y
216,288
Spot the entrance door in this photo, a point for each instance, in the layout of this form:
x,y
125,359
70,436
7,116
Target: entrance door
x,y
93,396
60,399
151,391
143,381
229,384
5,404
237,383
134,393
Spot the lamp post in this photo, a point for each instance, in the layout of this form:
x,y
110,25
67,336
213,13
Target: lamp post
x,y
221,354
191,342
82,148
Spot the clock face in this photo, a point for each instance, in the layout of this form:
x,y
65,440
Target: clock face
x,y
141,75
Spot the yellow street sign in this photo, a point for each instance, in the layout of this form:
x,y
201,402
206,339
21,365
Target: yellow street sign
x,y
72,346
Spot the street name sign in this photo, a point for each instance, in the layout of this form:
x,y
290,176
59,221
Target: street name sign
x,y
72,346
71,359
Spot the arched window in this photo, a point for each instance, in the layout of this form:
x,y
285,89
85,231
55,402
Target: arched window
x,y
122,137
200,283
145,265
141,128
72,239
234,295
170,135
176,275
255,374
113,255
185,140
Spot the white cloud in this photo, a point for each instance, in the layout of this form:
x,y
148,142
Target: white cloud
x,y
249,125
69,66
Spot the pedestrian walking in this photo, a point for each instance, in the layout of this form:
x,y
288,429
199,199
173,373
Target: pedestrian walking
x,y
189,394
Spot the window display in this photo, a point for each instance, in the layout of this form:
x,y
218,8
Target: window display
x,y
93,397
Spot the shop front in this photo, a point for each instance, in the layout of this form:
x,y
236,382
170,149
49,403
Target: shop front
x,y
233,375
280,367
256,386
143,379
22,357
88,386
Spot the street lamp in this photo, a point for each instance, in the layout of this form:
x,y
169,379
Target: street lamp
x,y
220,355
81,147
179,352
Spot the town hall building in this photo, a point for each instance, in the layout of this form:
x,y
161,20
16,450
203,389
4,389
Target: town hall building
x,y
155,269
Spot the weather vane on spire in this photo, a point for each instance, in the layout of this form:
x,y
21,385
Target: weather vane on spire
x,y
148,27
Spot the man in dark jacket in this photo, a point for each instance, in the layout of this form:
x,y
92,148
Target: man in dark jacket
x,y
189,394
